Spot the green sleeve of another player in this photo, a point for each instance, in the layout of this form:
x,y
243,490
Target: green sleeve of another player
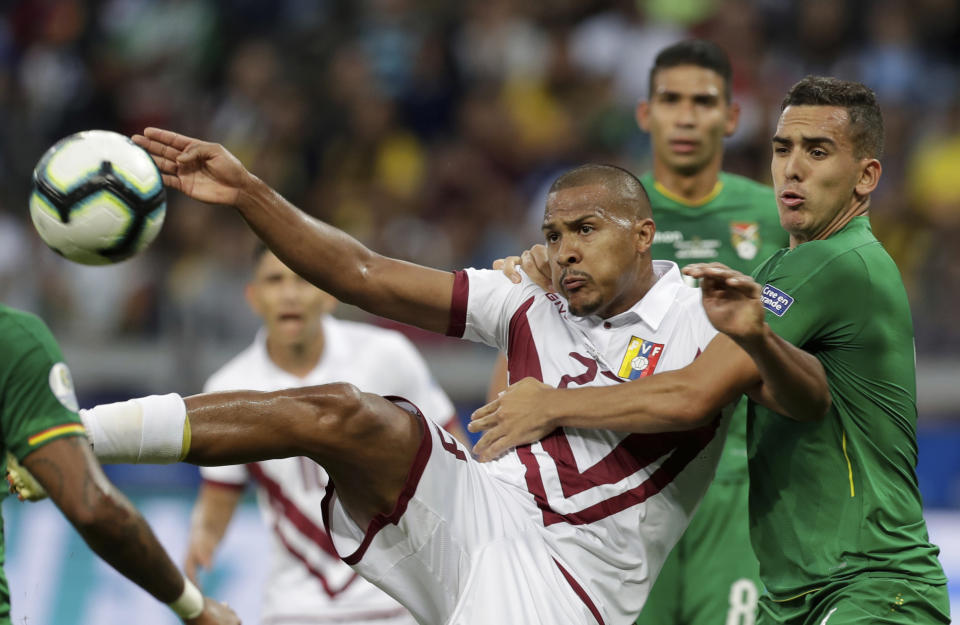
x,y
816,303
37,397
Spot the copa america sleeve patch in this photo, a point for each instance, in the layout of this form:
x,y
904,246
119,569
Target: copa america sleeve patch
x,y
775,300
61,385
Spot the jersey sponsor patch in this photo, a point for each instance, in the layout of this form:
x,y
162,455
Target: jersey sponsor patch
x,y
61,385
745,237
775,300
641,358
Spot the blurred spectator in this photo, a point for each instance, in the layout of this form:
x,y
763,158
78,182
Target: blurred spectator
x,y
427,129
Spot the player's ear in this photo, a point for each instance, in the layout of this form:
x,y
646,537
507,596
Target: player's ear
x,y
733,119
645,229
869,176
642,113
250,293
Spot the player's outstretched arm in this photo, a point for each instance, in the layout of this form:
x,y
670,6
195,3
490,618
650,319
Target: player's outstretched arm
x,y
114,529
674,400
326,256
212,513
793,380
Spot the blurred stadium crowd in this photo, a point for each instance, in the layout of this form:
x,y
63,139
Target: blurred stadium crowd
x,y
429,129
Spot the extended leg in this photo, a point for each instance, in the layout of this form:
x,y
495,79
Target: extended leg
x,y
365,442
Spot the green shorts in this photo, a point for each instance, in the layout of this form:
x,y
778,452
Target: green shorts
x,y
863,601
711,577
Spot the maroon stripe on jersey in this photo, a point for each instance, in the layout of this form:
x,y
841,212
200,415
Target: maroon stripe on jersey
x,y
523,361
687,446
331,592
450,445
409,487
227,485
629,456
458,304
280,502
577,588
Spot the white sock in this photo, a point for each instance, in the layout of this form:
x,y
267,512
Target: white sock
x,y
148,430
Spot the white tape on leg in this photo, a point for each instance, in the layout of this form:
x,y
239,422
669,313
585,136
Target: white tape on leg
x,y
143,430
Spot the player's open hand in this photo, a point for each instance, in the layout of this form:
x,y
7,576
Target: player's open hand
x,y
205,171
534,263
732,300
516,417
215,613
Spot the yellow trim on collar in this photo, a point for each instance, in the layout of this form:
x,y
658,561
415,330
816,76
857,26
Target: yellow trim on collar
x,y
670,195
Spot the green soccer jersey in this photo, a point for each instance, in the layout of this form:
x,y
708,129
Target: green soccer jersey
x,y
737,225
838,497
37,401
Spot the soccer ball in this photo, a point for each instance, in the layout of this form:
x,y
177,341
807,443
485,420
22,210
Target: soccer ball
x,y
97,198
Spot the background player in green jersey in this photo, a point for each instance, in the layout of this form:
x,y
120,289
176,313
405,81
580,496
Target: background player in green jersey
x,y
835,511
703,214
41,429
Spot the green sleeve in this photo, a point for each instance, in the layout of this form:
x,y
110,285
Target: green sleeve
x,y
37,397
828,303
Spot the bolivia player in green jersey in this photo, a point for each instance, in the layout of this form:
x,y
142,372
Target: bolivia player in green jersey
x,y
835,511
41,429
703,214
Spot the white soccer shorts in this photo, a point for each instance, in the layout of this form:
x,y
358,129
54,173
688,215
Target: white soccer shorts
x,y
460,547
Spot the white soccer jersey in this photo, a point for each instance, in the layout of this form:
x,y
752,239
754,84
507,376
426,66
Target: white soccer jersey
x,y
308,583
572,529
614,503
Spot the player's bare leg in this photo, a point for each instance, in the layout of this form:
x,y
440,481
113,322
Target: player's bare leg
x,y
366,443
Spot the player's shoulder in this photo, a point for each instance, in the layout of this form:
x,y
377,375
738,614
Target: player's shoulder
x,y
231,374
362,337
749,191
838,264
21,330
743,185
490,281
362,332
685,297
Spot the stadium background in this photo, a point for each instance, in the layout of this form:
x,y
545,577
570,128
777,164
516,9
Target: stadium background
x,y
428,129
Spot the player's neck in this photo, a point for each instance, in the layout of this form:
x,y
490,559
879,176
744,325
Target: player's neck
x,y
297,358
694,189
858,208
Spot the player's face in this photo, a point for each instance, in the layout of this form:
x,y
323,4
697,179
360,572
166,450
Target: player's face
x,y
596,252
291,307
687,118
816,175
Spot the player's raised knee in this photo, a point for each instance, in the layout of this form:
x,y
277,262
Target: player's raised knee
x,y
341,414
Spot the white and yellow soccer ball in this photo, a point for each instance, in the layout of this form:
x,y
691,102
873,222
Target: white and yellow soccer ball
x,y
97,198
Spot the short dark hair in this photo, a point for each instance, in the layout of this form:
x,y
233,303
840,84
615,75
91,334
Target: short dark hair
x,y
866,121
698,52
260,250
617,180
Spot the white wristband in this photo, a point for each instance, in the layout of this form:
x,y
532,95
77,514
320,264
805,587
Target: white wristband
x,y
190,602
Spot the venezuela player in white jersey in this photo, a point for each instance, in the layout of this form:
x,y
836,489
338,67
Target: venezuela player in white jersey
x,y
302,345
703,215
571,530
